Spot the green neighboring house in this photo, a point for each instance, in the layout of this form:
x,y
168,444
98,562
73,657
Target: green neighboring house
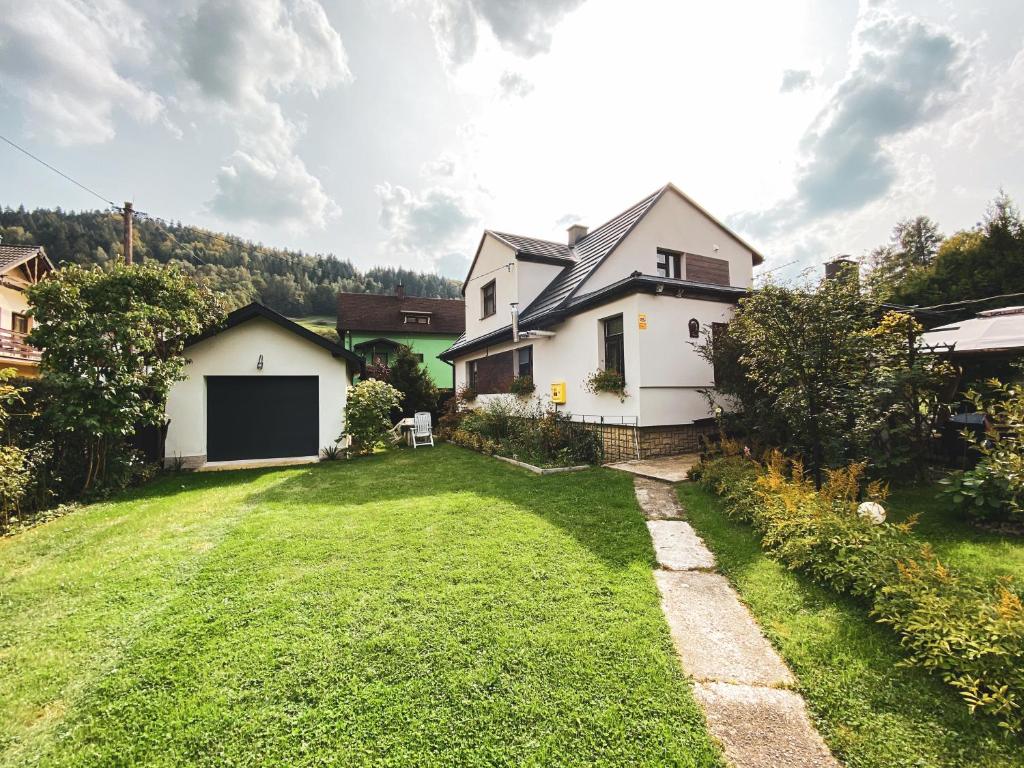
x,y
373,326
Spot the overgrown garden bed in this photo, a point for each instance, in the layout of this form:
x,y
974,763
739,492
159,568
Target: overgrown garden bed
x,y
968,630
529,433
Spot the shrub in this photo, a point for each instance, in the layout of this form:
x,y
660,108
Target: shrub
x,y
528,433
466,393
367,413
994,489
412,379
968,631
522,386
612,382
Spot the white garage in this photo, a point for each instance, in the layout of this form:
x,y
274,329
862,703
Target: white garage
x,y
260,388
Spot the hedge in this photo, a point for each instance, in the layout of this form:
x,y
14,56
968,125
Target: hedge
x,y
969,631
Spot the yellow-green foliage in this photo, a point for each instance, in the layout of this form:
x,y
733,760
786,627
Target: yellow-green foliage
x,y
968,631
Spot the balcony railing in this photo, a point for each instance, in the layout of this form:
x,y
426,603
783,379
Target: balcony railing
x,y
12,345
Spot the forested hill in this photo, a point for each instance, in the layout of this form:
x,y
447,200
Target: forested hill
x,y
291,282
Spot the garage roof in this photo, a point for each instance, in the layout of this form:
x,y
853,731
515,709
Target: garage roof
x,y
992,331
250,311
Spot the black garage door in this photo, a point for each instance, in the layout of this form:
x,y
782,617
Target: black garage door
x,y
261,417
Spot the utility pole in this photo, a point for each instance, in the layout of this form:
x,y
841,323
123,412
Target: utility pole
x,y
127,213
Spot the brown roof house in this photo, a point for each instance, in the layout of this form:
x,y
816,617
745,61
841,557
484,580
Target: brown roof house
x,y
21,266
373,326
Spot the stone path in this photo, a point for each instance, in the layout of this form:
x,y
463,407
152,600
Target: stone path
x,y
739,679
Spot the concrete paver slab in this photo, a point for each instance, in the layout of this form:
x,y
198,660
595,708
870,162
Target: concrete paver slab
x,y
678,547
715,636
657,499
671,469
763,727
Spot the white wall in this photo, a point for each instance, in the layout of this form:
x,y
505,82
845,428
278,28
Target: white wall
x,y
675,224
11,300
532,278
664,372
493,257
234,352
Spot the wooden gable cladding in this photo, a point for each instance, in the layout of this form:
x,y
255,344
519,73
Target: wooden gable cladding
x,y
494,374
704,269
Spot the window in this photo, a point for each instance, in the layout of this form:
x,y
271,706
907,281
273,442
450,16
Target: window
x,y
418,356
614,349
487,300
19,323
471,373
524,361
415,318
670,264
694,328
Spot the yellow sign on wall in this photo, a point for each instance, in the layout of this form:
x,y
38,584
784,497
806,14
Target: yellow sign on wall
x,y
643,321
558,392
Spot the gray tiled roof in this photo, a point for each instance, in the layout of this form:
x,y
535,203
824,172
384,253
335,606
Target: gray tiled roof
x,y
532,246
588,252
15,254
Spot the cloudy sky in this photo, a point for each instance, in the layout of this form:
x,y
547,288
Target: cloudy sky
x,y
394,131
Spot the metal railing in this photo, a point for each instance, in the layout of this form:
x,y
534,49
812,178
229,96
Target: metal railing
x,y
13,345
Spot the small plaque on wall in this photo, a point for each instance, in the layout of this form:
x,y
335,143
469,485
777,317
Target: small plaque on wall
x,y
643,321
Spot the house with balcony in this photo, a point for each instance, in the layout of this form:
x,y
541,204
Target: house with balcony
x,y
373,326
634,296
21,266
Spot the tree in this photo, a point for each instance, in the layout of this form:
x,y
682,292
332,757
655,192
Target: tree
x,y
982,262
803,352
911,248
112,343
409,377
811,372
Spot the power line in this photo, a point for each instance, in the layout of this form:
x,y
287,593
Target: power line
x,y
60,173
496,269
973,301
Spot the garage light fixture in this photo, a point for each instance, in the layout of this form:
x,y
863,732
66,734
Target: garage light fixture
x,y
259,364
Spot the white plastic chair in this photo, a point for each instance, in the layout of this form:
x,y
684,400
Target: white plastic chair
x,y
421,431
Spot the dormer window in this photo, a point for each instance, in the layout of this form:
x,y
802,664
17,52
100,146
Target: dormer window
x,y
670,264
415,318
488,300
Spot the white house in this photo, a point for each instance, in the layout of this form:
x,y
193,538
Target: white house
x,y
258,386
633,295
21,266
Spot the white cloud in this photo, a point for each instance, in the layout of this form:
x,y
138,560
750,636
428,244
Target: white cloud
x,y
63,60
905,74
441,166
240,54
796,80
522,27
514,84
426,226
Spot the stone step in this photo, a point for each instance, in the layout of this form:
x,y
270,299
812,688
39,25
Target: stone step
x,y
678,547
657,499
763,727
714,634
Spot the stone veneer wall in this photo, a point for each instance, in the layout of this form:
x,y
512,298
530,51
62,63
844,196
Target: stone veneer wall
x,y
620,441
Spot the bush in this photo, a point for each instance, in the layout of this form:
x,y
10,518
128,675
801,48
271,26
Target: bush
x,y
367,413
533,434
968,631
994,489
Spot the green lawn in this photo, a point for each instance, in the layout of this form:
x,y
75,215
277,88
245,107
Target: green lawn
x,y
325,325
434,607
872,712
959,543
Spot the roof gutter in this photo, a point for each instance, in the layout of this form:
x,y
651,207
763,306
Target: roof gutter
x,y
634,283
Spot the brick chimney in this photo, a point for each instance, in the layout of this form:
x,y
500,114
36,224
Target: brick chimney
x,y
840,267
400,291
576,233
